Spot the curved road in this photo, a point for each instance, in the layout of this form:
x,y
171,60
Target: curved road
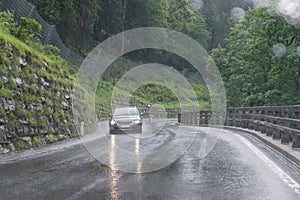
x,y
238,167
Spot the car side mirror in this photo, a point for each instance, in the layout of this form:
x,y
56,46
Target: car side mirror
x,y
109,115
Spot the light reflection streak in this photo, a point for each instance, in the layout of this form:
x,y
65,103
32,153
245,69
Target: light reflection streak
x,y
139,165
114,176
137,146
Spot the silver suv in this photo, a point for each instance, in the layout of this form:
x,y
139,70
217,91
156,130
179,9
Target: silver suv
x,y
125,119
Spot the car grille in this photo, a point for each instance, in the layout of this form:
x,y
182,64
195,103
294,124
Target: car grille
x,y
124,122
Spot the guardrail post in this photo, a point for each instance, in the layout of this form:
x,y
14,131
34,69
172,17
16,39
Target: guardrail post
x,y
296,140
269,130
276,133
244,118
82,128
206,118
200,118
296,112
191,118
285,137
256,120
179,117
195,118
183,118
263,128
228,117
239,118
249,119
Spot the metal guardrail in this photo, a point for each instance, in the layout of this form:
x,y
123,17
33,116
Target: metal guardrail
x,y
280,122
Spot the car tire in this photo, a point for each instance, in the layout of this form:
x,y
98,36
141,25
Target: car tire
x,y
140,129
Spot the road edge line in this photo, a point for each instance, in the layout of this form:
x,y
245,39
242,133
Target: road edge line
x,y
277,148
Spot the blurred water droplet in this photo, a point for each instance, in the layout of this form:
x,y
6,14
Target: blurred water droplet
x,y
237,14
195,4
298,51
279,50
289,10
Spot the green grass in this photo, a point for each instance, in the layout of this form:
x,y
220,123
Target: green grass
x,y
19,145
22,47
52,60
4,92
35,142
151,94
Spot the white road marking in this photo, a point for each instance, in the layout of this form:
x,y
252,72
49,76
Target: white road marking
x,y
289,181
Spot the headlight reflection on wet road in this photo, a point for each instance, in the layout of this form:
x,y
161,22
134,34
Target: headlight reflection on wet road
x,y
114,176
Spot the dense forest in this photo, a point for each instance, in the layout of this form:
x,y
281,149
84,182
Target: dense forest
x,y
83,23
257,54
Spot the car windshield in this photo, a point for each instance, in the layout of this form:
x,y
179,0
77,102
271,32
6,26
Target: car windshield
x,y
126,112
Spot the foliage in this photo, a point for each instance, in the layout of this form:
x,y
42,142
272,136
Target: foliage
x,y
35,142
19,145
4,92
182,18
254,75
82,24
7,22
217,16
28,30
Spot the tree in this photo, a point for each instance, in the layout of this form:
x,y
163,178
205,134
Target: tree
x,y
28,30
218,19
87,18
110,21
67,26
50,10
7,22
255,75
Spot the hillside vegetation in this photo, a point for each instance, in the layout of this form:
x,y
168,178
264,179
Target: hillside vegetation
x,y
36,90
35,97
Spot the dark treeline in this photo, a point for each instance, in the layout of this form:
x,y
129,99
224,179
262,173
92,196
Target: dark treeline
x,y
84,23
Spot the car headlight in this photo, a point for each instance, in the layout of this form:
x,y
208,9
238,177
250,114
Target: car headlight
x,y
112,122
137,121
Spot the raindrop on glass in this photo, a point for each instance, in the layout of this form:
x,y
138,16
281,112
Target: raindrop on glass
x,y
289,10
279,50
195,4
298,51
237,14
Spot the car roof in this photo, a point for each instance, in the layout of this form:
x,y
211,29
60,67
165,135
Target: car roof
x,y
125,107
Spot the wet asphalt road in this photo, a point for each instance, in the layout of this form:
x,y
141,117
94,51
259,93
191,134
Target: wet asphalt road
x,y
238,167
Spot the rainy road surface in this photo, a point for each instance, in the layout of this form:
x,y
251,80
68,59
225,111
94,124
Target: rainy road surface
x,y
238,167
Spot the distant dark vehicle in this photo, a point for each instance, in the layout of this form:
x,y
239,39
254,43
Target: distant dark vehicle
x,y
125,119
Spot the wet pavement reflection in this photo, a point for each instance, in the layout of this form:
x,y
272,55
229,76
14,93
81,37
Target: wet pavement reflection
x,y
229,171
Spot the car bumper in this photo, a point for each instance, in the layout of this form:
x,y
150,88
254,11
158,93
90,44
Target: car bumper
x,y
122,129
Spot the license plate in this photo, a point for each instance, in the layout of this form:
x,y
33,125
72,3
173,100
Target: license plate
x,y
125,126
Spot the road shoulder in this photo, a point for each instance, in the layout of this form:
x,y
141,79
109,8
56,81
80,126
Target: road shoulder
x,y
286,150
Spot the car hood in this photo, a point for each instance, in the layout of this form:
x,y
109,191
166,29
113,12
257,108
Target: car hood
x,y
126,117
